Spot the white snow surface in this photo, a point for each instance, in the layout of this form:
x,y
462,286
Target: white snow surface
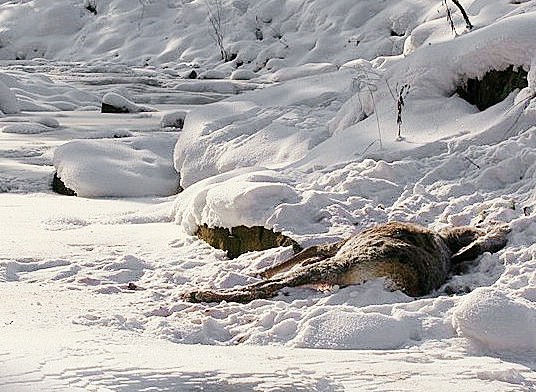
x,y
307,145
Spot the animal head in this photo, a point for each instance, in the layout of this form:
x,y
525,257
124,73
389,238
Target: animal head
x,y
457,238
467,243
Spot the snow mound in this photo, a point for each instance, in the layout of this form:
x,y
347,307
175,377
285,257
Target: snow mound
x,y
27,128
139,166
269,127
36,92
48,121
497,321
348,329
290,73
243,74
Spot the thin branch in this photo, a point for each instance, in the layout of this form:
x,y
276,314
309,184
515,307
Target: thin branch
x,y
217,30
472,162
464,14
449,18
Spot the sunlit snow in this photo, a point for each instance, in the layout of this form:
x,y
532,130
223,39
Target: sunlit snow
x,y
297,133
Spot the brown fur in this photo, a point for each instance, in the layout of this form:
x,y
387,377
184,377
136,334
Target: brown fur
x,y
415,259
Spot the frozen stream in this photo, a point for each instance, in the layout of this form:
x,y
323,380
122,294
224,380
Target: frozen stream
x,y
69,323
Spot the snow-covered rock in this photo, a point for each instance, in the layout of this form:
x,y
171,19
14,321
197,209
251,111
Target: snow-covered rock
x,y
243,74
115,103
110,167
269,127
27,128
48,121
173,119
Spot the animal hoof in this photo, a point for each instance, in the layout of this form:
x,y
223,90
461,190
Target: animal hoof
x,y
191,296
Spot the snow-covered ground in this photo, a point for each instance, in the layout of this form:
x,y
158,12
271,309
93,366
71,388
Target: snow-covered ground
x,y
297,133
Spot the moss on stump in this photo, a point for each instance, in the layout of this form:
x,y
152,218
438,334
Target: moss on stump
x,y
59,186
493,87
242,239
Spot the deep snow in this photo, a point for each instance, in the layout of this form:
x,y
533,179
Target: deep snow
x,y
308,146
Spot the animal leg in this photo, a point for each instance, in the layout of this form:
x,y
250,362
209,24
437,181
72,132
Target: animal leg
x,y
307,256
492,241
321,272
240,295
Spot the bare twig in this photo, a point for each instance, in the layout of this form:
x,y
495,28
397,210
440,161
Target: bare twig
x,y
449,18
217,28
366,80
464,14
390,90
143,4
402,93
468,23
472,162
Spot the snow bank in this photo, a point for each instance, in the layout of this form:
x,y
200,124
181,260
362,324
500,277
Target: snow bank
x,y
496,320
351,114
139,166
